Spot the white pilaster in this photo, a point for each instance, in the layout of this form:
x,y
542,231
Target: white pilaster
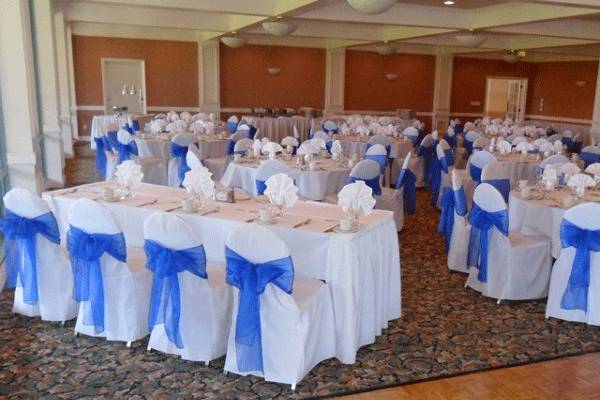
x,y
64,93
47,83
71,73
19,102
442,91
595,130
335,80
209,79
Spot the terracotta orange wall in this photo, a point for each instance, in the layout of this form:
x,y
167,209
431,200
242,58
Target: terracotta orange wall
x,y
555,83
171,70
368,89
470,76
245,82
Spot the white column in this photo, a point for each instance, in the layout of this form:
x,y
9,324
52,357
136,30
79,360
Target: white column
x,y
71,73
335,80
64,93
19,102
47,82
442,90
595,130
209,79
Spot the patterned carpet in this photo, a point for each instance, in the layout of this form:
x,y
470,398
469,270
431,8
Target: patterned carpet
x,y
445,330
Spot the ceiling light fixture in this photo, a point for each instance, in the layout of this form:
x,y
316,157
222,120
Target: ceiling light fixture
x,y
233,41
511,57
279,27
449,3
470,39
371,6
385,49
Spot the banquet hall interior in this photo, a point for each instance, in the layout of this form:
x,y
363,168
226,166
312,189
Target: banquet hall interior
x,y
372,199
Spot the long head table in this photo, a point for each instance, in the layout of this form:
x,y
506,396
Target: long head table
x,y
361,269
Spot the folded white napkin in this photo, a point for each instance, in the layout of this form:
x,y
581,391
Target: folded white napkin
x,y
198,181
593,169
257,146
158,125
524,147
129,173
356,196
336,147
362,130
581,181
558,146
550,174
504,146
172,116
281,190
272,148
307,148
570,168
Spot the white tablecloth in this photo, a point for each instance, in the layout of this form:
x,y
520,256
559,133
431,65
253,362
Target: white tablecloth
x,y
313,185
519,170
101,123
542,213
157,147
362,270
280,127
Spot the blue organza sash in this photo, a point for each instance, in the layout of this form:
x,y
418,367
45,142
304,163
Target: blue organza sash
x,y
475,173
251,280
481,223
230,147
232,127
165,303
449,159
111,140
100,156
126,150
373,183
407,180
180,152
584,241
469,146
133,127
85,250
589,158
20,246
261,186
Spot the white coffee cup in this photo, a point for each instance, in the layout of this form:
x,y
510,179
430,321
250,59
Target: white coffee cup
x,y
265,214
313,166
237,157
525,192
350,163
568,201
187,204
345,224
522,183
108,194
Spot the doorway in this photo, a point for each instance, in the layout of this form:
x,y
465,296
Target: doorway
x,y
124,85
505,97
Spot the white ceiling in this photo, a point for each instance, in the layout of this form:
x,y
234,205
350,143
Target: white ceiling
x,y
547,29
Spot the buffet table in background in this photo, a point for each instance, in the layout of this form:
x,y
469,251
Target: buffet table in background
x,y
276,128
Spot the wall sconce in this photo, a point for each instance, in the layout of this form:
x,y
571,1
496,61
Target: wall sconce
x,y
273,71
126,91
391,77
580,84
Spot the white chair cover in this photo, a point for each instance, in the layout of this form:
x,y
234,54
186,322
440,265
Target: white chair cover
x,y
54,279
497,175
297,330
481,143
269,168
321,135
185,139
556,159
127,286
153,168
380,139
243,145
205,303
585,217
290,141
518,266
411,132
459,242
193,157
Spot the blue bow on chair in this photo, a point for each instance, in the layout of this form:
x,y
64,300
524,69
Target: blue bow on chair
x,y
20,246
589,158
475,173
85,250
584,241
503,186
448,159
230,147
100,156
481,223
373,183
261,186
126,150
133,127
469,146
166,264
436,180
251,280
180,152
110,141
407,180
447,216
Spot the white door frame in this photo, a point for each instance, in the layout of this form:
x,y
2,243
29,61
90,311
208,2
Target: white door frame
x,y
104,61
522,96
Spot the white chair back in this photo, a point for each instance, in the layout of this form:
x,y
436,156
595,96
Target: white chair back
x,y
481,143
472,136
170,231
243,145
376,150
411,132
379,139
256,244
481,158
92,217
269,168
233,119
329,125
365,169
25,203
554,160
585,216
290,141
184,139
488,198
494,170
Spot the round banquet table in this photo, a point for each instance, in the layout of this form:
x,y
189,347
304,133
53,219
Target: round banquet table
x,y
542,212
160,146
353,144
519,169
314,185
278,128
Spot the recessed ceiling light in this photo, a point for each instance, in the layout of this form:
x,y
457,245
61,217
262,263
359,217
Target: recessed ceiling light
x,y
449,2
